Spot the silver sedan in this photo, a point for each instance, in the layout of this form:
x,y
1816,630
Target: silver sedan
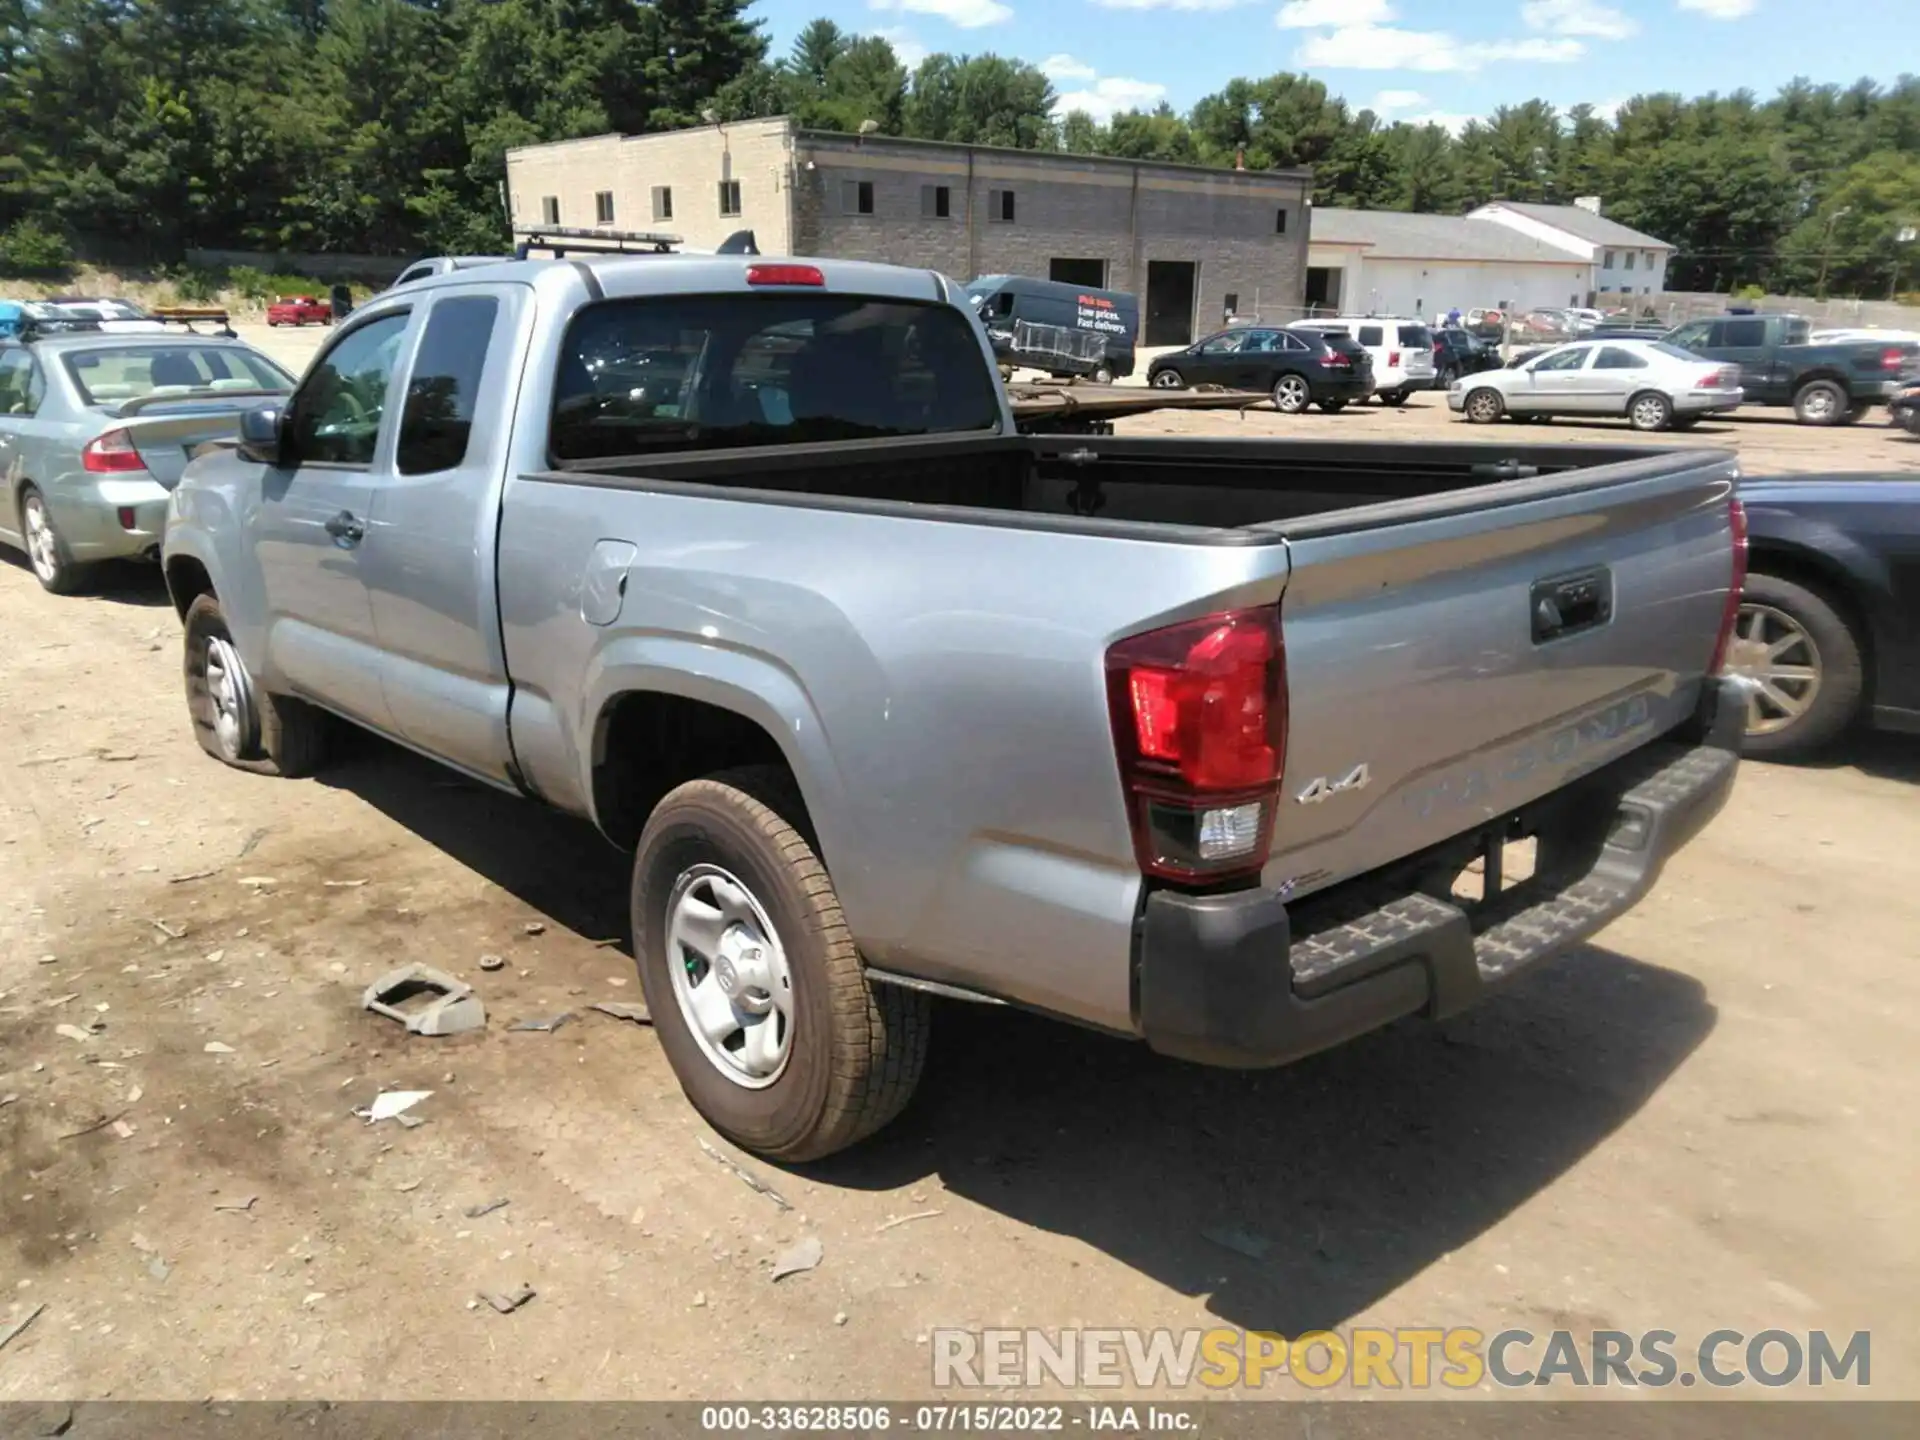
x,y
1652,385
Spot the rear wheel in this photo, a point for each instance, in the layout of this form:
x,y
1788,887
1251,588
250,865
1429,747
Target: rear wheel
x,y
1795,645
1168,379
1393,397
1333,407
1857,413
1291,394
1819,402
1103,375
757,993
237,723
1483,406
1649,410
53,564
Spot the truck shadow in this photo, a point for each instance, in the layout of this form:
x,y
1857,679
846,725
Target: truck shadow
x,y
1292,1199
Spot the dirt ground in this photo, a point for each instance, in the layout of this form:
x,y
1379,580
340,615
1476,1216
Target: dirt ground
x,y
1703,1120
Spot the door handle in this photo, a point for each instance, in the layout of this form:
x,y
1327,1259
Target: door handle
x,y
346,530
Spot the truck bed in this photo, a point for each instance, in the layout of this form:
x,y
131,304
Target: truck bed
x,y
1238,491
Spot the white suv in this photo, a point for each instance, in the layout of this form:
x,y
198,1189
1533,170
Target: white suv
x,y
1402,351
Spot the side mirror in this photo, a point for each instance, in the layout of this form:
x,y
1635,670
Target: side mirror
x,y
263,433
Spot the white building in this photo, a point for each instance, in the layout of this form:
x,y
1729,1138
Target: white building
x,y
1624,261
1389,263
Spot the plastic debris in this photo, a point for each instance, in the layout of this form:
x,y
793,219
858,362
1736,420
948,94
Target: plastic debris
x,y
73,1032
172,932
242,1206
546,1025
906,1220
217,1047
804,1256
622,1010
508,1301
474,1212
534,927
407,1187
390,1104
158,1268
453,1010
748,1178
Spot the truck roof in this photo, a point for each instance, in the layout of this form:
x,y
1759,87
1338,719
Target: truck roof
x,y
626,276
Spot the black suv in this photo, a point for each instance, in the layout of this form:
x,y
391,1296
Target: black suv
x,y
1297,367
1460,352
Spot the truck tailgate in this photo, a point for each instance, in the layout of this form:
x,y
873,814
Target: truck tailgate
x,y
1444,671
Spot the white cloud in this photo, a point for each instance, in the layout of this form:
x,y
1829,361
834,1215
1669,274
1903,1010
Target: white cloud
x,y
1580,17
907,47
1065,67
1328,14
1390,102
1169,4
1451,121
1109,95
1382,47
1608,109
967,14
1721,9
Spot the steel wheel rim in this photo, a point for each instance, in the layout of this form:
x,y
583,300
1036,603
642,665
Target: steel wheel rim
x,y
1481,405
1166,380
43,547
227,692
730,976
1818,403
1778,654
1648,413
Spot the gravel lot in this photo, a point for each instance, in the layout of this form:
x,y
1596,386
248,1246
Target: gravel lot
x,y
1703,1120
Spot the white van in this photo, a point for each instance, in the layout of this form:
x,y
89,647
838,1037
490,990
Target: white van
x,y
1402,351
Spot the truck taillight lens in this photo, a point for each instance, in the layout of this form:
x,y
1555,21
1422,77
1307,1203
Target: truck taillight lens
x,y
1730,613
110,454
1893,359
1199,714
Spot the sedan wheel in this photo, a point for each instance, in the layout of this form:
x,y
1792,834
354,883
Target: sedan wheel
x,y
1484,406
1779,655
1291,394
45,550
1650,411
1168,380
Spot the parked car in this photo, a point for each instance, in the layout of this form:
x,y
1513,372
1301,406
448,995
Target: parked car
x,y
300,310
1904,409
1297,367
1402,351
112,313
1062,329
1487,324
1825,384
1459,352
1829,626
1194,767
1652,384
96,427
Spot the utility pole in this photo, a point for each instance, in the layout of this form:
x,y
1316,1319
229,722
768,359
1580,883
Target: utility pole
x,y
1826,250
1902,238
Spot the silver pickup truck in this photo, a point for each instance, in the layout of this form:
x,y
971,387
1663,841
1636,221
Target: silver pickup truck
x,y
1239,747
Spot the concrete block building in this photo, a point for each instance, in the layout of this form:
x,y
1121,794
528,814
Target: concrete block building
x,y
1194,244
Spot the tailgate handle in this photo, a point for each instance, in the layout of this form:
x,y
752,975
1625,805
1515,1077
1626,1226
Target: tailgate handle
x,y
1568,604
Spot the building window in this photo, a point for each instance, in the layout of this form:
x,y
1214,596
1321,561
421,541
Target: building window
x,y
603,207
663,202
1629,259
936,202
1649,260
1280,221
1607,264
729,197
1000,206
856,197
550,209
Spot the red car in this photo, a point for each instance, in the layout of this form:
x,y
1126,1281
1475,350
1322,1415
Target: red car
x,y
299,310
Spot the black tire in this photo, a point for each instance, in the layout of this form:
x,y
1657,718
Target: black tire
x,y
1856,414
1103,375
1483,406
857,1049
1649,411
1292,394
1820,402
1842,668
276,734
1167,379
1333,407
58,572
1393,397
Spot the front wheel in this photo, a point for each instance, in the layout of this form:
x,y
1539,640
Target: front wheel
x,y
1483,406
1168,379
1797,648
757,992
1650,410
53,564
1291,394
1103,375
237,723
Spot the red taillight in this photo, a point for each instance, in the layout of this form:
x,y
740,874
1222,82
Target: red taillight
x,y
110,454
1338,360
1393,358
1892,359
1199,715
785,275
1730,612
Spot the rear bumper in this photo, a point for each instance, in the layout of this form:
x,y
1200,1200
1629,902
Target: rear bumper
x,y
1336,387
1245,981
1708,402
87,513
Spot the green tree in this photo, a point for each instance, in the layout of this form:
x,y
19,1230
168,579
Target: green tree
x,y
981,100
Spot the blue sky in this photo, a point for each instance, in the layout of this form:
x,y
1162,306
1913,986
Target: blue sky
x,y
1408,59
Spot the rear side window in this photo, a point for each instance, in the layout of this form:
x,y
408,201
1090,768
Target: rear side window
x,y
1744,333
437,422
1371,335
1798,332
1613,357
1416,337
712,372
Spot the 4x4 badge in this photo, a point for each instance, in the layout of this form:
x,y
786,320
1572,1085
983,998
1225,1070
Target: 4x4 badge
x,y
1321,788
